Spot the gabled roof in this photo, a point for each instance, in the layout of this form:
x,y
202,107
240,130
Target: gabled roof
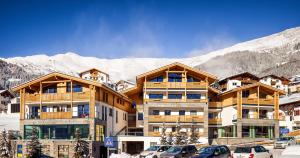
x,y
211,77
281,92
6,91
240,74
275,76
73,78
91,70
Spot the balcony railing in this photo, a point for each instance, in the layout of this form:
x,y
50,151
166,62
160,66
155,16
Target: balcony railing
x,y
175,118
189,85
177,100
214,120
56,115
254,116
54,97
214,105
255,101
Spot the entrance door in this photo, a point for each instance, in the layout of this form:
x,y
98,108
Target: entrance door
x,y
103,152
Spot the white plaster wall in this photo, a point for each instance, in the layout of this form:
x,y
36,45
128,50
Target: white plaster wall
x,y
227,115
231,86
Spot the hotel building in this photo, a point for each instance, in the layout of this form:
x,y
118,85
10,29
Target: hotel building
x,y
58,104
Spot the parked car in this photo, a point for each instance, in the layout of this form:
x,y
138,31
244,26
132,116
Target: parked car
x,y
154,151
220,151
291,152
257,151
284,142
179,151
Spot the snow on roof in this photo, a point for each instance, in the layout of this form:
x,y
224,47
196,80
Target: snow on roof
x,y
289,99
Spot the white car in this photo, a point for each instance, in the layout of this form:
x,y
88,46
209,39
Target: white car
x,y
257,151
291,152
154,151
284,142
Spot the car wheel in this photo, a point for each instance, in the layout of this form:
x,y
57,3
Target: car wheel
x,y
154,156
271,156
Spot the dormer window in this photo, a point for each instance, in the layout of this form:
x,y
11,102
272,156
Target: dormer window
x,y
76,87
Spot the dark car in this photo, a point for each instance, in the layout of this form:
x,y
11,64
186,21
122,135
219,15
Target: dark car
x,y
220,151
179,151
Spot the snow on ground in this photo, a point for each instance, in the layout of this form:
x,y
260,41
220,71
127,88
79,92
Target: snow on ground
x,y
9,121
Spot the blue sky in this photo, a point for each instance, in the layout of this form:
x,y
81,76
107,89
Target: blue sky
x,y
115,29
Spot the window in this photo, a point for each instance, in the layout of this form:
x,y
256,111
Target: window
x,y
193,112
125,117
76,87
155,129
181,112
174,96
105,97
155,112
110,111
155,96
192,79
140,116
157,79
173,129
105,111
262,95
167,112
246,94
50,89
174,77
83,111
117,118
210,115
44,108
193,96
234,83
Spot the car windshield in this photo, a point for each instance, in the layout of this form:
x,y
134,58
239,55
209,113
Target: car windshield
x,y
153,148
242,150
206,150
174,149
283,139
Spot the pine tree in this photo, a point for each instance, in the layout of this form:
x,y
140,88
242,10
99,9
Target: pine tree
x,y
5,149
11,137
163,136
194,135
180,137
33,145
81,147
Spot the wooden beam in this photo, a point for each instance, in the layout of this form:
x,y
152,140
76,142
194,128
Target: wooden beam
x,y
60,81
71,95
41,88
258,101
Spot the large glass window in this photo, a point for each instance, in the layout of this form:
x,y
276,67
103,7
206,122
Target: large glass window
x,y
167,112
157,79
155,112
140,116
175,96
193,96
155,96
57,131
76,87
50,89
192,79
174,77
181,112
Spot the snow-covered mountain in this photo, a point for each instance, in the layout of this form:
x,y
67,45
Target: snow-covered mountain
x,y
281,47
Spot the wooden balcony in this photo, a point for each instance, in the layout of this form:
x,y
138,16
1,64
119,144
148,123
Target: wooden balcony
x,y
155,84
57,97
175,118
196,85
215,121
179,85
214,104
176,84
56,115
255,101
177,100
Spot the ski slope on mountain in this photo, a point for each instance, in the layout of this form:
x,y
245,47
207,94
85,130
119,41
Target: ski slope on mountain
x,y
128,68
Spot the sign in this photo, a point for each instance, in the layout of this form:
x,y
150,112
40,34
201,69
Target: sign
x,y
109,142
284,131
19,150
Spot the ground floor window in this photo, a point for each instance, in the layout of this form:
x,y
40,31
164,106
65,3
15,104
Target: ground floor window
x,y
258,131
57,131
